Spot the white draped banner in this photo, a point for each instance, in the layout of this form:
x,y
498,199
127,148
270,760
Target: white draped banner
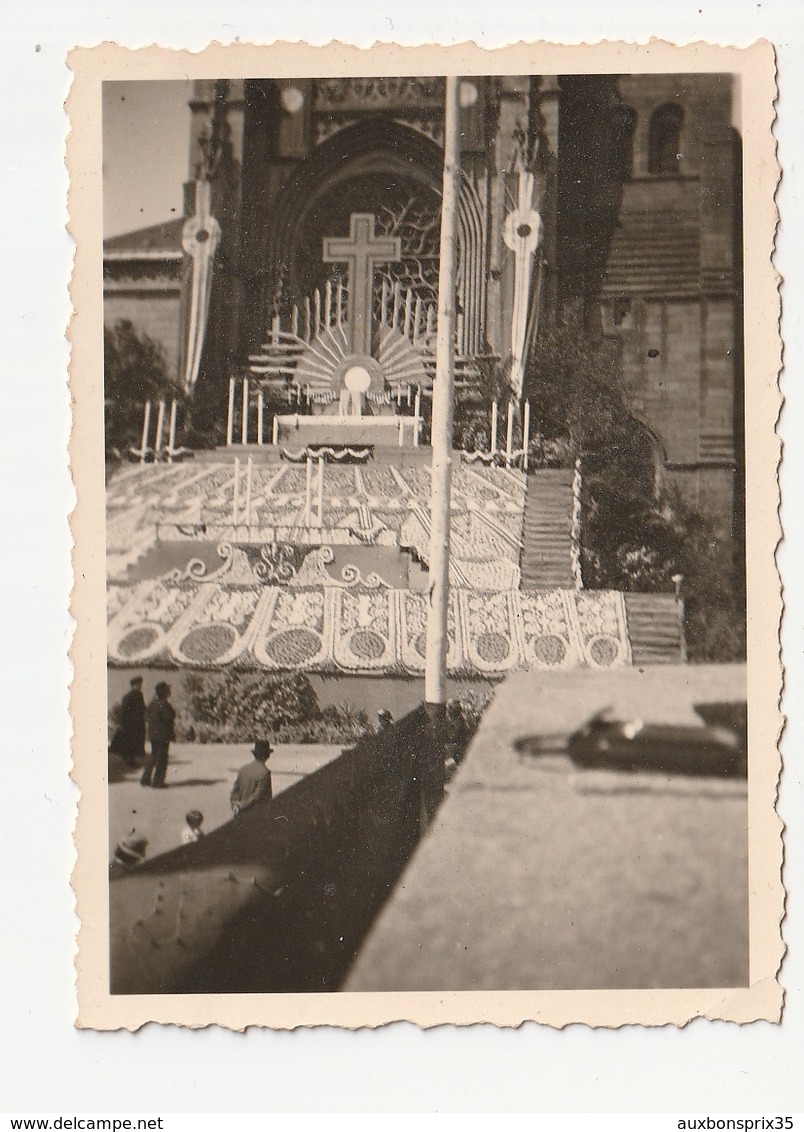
x,y
200,238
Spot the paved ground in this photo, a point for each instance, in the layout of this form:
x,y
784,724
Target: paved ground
x,y
200,777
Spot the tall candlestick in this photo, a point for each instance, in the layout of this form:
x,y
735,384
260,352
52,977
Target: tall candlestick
x,y
160,425
260,415
146,428
308,491
230,417
494,428
509,436
525,437
172,432
321,491
236,492
244,423
249,469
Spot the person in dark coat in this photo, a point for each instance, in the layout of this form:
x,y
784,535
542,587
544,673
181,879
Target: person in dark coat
x,y
161,730
253,783
131,739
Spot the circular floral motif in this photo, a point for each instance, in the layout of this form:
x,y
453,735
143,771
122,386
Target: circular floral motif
x,y
367,644
208,642
138,640
604,651
492,647
293,646
549,649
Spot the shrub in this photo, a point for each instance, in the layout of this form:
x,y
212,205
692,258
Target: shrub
x,y
238,707
134,371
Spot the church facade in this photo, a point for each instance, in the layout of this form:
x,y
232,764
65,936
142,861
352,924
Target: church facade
x,y
615,198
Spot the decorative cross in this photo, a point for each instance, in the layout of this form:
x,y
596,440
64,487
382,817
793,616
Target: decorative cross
x,y
361,251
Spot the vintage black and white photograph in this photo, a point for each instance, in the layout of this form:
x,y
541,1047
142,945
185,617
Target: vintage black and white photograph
x,y
424,403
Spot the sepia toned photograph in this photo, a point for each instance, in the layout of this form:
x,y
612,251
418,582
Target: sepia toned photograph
x,y
427,543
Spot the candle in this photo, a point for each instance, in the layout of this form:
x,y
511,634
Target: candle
x,y
275,431
236,491
172,431
321,491
146,428
509,436
160,425
230,417
494,428
260,415
308,491
249,468
244,424
526,436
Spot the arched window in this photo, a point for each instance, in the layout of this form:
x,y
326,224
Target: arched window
x,y
664,144
623,125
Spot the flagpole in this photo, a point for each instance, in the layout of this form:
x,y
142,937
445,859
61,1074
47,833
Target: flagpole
x,y
435,666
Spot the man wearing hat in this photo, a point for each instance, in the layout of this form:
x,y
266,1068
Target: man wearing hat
x,y
161,730
129,853
253,782
132,724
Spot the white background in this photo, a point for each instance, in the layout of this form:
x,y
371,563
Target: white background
x,y
46,1065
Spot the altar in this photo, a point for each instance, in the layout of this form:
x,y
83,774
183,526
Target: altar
x,y
296,430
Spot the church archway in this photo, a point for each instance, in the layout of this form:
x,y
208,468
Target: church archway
x,y
393,172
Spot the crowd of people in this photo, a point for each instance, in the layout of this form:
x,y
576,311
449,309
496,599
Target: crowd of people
x,y
156,722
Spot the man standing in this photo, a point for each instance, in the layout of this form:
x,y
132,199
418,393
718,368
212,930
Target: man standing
x,y
161,730
132,724
253,782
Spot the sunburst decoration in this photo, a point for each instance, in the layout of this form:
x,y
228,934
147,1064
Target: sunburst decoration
x,y
401,361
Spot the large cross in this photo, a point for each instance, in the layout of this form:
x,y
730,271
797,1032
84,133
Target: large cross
x,y
361,251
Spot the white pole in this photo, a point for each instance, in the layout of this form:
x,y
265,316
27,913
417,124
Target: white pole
x,y
494,428
308,491
230,417
172,431
525,437
435,667
244,422
275,431
249,471
160,425
236,492
260,415
321,491
509,435
146,428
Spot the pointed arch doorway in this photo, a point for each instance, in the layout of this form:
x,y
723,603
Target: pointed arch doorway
x,y
393,172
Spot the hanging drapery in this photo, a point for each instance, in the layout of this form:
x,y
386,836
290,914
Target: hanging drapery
x,y
521,233
200,238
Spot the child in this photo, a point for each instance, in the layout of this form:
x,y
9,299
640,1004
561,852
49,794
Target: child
x,y
192,831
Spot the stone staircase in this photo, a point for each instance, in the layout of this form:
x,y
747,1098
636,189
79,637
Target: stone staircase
x,y
655,628
546,560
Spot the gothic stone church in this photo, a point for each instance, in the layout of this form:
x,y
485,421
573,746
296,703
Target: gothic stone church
x,y
615,197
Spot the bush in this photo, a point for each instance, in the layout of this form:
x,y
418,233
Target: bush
x,y
134,371
239,707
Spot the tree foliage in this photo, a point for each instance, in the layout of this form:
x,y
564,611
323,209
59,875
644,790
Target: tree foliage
x,y
637,535
134,371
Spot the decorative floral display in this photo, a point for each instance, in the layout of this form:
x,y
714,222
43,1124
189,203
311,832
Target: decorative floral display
x,y
602,627
367,504
361,625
